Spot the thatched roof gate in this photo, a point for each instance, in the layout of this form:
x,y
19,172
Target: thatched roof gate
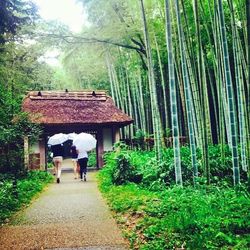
x,y
76,111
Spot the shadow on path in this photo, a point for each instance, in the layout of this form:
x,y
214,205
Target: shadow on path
x,y
69,215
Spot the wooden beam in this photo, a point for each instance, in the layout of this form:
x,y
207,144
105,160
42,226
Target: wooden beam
x,y
100,150
42,153
46,152
72,95
26,151
115,134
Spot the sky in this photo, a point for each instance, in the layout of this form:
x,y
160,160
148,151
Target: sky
x,y
68,12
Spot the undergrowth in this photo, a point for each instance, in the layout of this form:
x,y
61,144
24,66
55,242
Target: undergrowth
x,y
155,214
14,195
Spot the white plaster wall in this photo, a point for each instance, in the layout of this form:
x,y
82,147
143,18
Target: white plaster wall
x,y
34,148
107,139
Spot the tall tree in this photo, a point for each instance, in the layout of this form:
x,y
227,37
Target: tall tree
x,y
173,98
13,15
230,95
248,80
188,96
152,86
202,91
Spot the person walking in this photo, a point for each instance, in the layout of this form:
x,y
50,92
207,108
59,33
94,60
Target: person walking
x,y
84,142
83,162
58,152
74,156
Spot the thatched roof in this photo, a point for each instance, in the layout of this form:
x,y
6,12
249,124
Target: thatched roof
x,y
81,107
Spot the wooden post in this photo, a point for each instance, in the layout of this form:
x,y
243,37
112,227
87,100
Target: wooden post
x,y
26,151
99,137
46,152
42,153
115,134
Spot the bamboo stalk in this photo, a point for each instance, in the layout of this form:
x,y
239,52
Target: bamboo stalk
x,y
173,101
202,89
237,66
187,94
229,89
152,87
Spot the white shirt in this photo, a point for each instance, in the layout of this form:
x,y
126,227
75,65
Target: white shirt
x,y
82,154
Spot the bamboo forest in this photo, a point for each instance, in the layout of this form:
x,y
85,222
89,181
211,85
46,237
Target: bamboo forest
x,y
163,86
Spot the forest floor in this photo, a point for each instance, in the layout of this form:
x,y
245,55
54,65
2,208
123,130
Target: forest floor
x,y
69,215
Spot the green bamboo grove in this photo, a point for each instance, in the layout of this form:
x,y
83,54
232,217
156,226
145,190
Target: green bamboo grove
x,y
181,70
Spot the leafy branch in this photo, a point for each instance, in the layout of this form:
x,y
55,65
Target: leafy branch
x,y
73,39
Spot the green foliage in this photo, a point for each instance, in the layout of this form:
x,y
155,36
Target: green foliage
x,y
13,196
139,139
13,15
19,70
201,218
124,171
92,160
198,217
11,140
121,169
142,166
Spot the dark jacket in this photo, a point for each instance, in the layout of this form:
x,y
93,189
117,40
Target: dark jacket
x,y
57,150
73,152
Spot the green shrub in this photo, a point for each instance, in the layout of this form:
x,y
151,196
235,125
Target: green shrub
x,y
156,214
142,166
121,167
12,196
201,218
124,171
92,160
12,132
139,139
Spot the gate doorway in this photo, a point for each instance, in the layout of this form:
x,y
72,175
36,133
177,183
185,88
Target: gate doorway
x,y
92,155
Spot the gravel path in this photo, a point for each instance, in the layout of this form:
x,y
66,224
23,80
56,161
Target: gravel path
x,y
69,215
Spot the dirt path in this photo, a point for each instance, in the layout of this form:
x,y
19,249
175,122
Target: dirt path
x,y
69,215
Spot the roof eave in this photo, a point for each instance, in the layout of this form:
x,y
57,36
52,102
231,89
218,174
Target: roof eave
x,y
101,124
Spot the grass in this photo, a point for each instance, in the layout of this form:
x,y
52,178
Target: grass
x,y
175,218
